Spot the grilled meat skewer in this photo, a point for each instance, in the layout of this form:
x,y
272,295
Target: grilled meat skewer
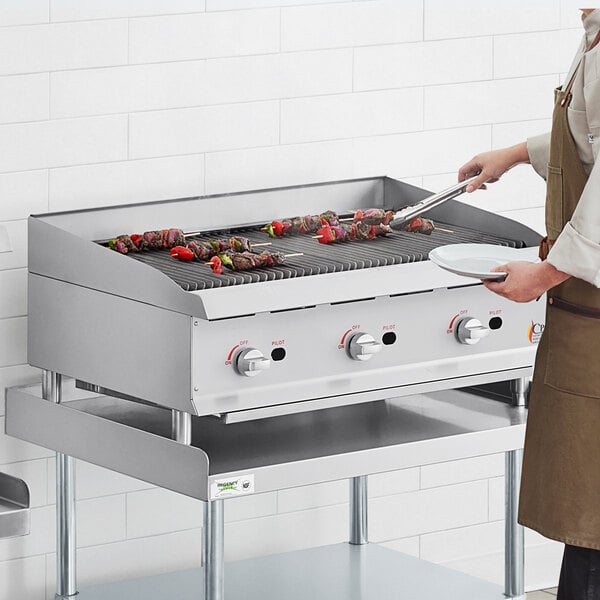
x,y
171,238
245,261
149,240
299,225
204,249
347,233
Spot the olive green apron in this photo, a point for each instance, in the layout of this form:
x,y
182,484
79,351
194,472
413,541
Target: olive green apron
x,y
560,487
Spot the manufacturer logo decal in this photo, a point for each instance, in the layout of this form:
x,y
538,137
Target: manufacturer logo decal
x,y
534,332
234,486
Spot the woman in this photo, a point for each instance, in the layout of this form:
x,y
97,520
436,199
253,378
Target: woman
x,y
560,488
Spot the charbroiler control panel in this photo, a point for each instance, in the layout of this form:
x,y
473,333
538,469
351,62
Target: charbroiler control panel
x,y
373,344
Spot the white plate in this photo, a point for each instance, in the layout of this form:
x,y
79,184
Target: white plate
x,y
478,260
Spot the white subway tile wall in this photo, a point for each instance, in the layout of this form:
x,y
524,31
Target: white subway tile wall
x,y
106,102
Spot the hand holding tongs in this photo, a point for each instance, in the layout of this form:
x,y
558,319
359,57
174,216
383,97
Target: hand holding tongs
x,y
410,212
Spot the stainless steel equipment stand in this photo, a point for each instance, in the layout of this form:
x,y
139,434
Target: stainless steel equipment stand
x,y
403,432
359,518
514,543
66,530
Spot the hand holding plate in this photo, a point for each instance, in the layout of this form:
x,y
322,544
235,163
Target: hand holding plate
x,y
525,281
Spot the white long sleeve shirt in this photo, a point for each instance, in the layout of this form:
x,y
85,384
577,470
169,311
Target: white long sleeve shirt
x,y
577,249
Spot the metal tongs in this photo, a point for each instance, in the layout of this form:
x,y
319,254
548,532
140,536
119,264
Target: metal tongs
x,y
407,213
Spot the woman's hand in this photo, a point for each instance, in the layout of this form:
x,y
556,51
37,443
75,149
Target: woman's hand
x,y
490,166
526,281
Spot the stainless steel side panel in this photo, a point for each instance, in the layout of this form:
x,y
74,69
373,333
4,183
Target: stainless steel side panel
x,y
131,347
59,254
109,443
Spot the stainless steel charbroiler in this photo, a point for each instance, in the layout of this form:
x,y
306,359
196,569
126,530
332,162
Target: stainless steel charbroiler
x,y
344,323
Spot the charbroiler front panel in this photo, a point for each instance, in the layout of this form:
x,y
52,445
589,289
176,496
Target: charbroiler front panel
x,y
344,319
315,352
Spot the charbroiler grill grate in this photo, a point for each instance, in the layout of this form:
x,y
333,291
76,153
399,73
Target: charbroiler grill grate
x,y
397,248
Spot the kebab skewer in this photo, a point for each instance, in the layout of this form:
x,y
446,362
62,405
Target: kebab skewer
x,y
149,240
377,216
347,233
245,261
205,249
300,225
171,238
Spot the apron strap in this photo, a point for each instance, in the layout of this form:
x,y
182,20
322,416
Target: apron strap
x,y
572,80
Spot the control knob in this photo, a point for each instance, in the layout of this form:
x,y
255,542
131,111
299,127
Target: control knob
x,y
470,331
362,346
250,362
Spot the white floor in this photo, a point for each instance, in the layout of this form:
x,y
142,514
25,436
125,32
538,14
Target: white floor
x,y
542,594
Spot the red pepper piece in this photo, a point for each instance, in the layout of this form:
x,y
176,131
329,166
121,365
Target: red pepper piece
x,y
136,239
216,265
277,228
358,216
182,253
326,235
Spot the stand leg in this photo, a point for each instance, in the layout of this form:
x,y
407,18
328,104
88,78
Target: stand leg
x,y
514,570
519,387
359,523
181,423
214,535
66,545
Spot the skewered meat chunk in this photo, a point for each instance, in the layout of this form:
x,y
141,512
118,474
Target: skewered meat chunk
x,y
202,250
330,217
173,237
270,258
419,225
362,231
374,216
240,244
123,244
241,261
219,245
152,240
